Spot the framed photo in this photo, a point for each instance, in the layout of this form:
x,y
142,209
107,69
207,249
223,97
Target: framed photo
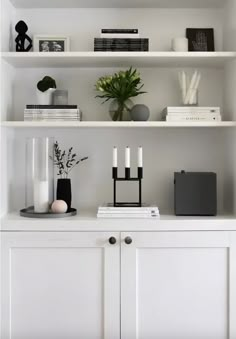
x,y
49,43
200,39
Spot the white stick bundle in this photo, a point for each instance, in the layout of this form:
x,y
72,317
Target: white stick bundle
x,y
189,91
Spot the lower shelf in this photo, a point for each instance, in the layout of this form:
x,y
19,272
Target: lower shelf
x,y
114,124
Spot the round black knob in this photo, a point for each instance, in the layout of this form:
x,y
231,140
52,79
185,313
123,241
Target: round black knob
x,y
128,240
112,240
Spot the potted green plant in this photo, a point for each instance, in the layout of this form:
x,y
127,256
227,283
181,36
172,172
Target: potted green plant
x,y
119,88
45,89
65,162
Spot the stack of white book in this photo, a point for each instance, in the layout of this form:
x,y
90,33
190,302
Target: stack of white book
x,y
191,113
144,212
52,113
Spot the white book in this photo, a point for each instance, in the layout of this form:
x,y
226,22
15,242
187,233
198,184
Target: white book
x,y
193,117
191,109
50,110
110,206
129,212
119,36
128,216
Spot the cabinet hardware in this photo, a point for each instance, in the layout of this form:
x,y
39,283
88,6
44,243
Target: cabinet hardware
x,y
128,240
112,240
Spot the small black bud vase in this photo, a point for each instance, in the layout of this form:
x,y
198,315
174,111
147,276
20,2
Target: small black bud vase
x,y
64,191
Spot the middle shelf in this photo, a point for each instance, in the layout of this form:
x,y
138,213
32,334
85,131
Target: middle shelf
x,y
118,59
114,124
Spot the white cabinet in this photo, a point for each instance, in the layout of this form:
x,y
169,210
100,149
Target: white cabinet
x,y
67,285
60,285
178,285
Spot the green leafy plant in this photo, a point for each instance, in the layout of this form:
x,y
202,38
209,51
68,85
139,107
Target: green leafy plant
x,y
65,161
121,86
46,83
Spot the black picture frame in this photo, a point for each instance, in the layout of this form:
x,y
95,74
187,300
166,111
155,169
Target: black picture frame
x,y
200,39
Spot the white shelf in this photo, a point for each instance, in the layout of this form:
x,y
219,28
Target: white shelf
x,y
118,3
89,222
118,59
114,124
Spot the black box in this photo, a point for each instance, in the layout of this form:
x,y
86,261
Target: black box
x,y
195,193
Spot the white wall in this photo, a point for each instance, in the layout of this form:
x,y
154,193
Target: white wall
x,y
165,151
161,85
160,25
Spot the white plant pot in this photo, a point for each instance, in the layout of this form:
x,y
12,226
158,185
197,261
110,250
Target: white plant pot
x,y
45,98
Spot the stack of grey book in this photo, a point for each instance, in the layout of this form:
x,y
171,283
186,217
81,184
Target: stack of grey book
x,y
120,40
52,113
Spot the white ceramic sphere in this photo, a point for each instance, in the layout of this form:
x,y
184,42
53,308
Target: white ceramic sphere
x,y
59,206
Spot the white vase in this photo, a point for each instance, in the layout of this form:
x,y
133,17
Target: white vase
x,y
45,98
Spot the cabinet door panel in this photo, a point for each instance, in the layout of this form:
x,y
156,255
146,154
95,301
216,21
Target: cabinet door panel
x,y
176,285
59,285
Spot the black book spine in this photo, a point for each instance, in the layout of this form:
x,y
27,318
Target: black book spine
x,y
51,106
125,45
120,31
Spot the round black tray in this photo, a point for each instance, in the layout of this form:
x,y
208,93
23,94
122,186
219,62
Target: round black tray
x,y
29,213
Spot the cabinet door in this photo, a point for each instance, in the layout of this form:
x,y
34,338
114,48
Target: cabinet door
x,y
60,285
178,285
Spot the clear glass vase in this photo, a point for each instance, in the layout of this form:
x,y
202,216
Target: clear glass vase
x,y
39,174
120,110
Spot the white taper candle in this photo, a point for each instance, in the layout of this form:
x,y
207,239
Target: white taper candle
x,y
114,157
127,157
140,157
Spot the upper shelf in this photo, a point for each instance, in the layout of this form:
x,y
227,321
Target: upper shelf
x,y
118,59
118,3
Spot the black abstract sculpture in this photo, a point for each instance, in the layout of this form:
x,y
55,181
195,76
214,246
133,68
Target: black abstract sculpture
x,y
21,28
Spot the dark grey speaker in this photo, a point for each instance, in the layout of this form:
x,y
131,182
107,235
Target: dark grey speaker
x,y
195,193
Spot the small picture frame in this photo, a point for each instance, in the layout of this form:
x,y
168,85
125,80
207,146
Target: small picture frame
x,y
200,39
50,43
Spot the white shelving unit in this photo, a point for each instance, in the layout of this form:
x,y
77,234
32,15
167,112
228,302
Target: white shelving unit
x,y
85,277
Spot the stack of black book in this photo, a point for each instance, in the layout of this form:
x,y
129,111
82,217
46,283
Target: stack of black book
x,y
120,40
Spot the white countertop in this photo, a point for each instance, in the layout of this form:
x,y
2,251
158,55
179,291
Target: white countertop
x,y
88,222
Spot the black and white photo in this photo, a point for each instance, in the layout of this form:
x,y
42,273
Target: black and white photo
x,y
46,43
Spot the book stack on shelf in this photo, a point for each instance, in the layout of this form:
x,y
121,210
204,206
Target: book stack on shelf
x,y
144,212
120,40
191,113
52,113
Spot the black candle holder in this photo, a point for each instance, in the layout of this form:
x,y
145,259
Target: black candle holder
x,y
127,178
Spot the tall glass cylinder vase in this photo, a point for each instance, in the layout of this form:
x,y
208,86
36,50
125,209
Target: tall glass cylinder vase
x,y
39,174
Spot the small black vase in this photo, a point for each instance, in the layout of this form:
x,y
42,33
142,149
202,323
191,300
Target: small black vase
x,y
64,191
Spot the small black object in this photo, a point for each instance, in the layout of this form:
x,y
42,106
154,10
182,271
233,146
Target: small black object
x,y
127,178
128,240
112,240
200,39
195,193
64,191
21,28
